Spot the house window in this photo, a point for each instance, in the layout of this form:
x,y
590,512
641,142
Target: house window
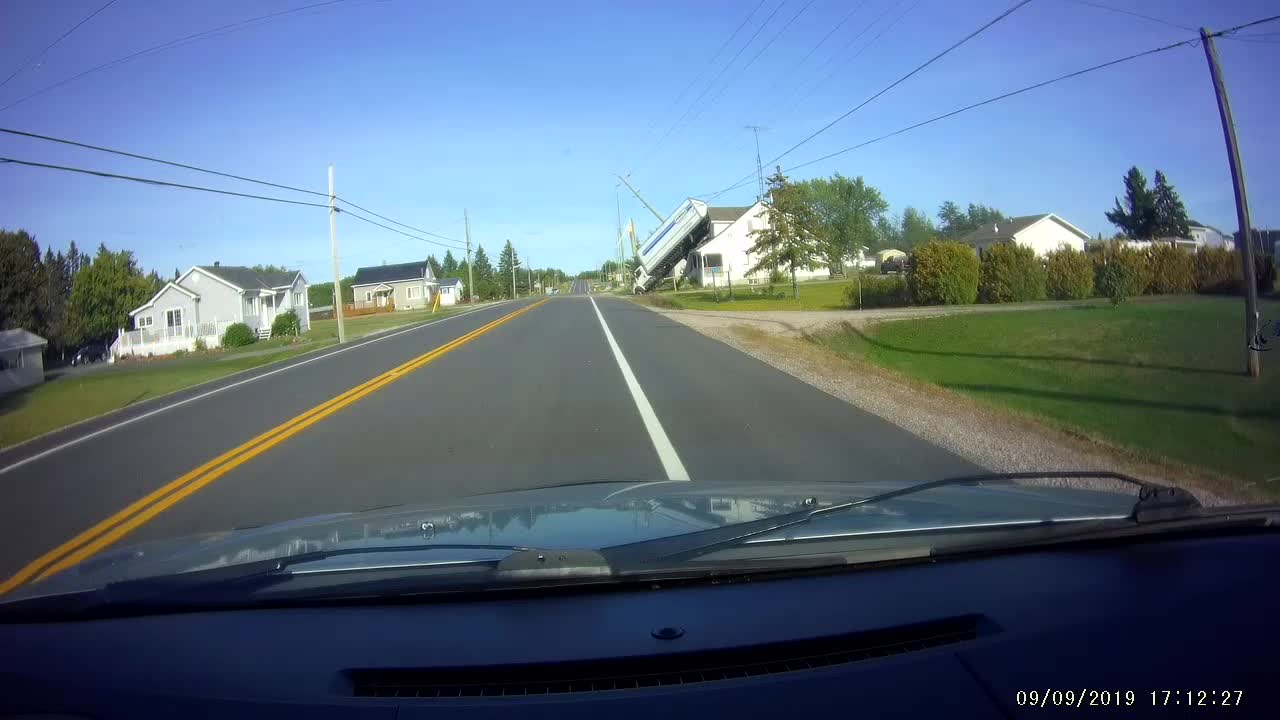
x,y
11,361
173,318
368,295
713,260
411,292
143,321
297,299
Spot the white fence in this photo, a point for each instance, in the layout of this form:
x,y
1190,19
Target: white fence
x,y
166,340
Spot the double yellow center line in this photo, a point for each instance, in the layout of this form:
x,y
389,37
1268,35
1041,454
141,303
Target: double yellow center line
x,y
100,536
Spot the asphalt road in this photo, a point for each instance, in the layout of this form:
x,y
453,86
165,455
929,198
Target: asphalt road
x,y
536,399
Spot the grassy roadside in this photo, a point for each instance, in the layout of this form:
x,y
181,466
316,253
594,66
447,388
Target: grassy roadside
x,y
73,397
1162,379
814,295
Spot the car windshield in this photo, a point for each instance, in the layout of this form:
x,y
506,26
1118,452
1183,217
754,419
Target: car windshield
x,y
876,277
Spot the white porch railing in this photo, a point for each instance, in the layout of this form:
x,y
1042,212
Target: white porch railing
x,y
165,340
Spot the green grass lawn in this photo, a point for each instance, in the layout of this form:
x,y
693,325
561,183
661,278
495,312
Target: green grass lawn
x,y
1165,379
814,295
74,397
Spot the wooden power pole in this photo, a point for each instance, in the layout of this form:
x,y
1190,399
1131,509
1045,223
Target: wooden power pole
x,y
1244,245
471,282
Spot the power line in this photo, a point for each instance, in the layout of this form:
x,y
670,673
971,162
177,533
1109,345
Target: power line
x,y
899,81
196,168
830,62
51,45
990,100
1100,6
163,183
401,232
165,46
460,245
823,41
711,84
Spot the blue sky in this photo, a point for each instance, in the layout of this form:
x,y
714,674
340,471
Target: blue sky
x,y
520,112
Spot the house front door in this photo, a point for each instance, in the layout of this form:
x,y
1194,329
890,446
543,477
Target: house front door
x,y
382,300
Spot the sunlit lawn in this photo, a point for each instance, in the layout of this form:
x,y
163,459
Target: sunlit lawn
x,y
814,295
78,396
1164,378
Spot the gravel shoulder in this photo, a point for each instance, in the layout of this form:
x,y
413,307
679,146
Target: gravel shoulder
x,y
1001,441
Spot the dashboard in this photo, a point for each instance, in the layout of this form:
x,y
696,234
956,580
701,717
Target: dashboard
x,y
1162,628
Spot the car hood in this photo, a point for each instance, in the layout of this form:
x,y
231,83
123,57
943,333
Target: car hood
x,y
588,516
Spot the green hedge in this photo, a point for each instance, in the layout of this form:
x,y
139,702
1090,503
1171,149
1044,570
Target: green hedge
x,y
1217,271
1122,273
237,335
1173,270
879,291
944,273
1010,273
286,323
1068,274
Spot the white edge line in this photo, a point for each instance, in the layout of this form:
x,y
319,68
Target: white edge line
x,y
661,443
157,411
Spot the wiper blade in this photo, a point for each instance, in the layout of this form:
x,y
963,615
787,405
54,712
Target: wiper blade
x,y
1160,499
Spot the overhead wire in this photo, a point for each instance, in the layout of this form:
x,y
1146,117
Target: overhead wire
x,y
1131,13
196,168
794,98
388,227
895,83
30,61
165,46
834,28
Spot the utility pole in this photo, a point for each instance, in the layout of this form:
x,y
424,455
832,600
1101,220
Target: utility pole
x,y
333,247
514,296
641,199
1244,246
471,283
528,269
755,130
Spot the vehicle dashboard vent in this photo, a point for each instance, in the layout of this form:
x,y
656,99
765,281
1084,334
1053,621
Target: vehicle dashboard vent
x,y
661,670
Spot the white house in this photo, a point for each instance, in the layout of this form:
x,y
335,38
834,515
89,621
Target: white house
x,y
1212,237
206,299
1042,233
451,291
724,257
404,285
21,359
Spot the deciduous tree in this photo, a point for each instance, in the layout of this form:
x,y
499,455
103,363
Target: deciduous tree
x,y
103,293
847,211
21,280
789,239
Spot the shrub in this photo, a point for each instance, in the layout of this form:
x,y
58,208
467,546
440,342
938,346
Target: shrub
x,y
944,273
238,335
1010,273
286,323
199,345
1120,272
1068,274
1173,270
1217,271
777,276
878,291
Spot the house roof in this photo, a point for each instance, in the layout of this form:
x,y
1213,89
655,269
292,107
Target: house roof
x,y
393,273
247,278
1007,229
19,339
170,284
450,282
727,214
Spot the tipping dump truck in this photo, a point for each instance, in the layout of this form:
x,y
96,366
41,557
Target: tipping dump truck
x,y
685,228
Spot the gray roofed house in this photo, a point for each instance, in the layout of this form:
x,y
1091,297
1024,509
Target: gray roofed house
x,y
726,214
403,285
451,290
1043,233
21,359
247,278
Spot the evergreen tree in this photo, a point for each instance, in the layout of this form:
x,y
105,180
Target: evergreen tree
x,y
450,265
507,260
21,280
1171,214
434,264
1137,217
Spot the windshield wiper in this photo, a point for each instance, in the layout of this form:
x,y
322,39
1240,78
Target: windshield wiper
x,y
1154,502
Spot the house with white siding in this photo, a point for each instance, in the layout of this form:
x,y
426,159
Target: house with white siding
x,y
451,291
1043,233
725,257
204,300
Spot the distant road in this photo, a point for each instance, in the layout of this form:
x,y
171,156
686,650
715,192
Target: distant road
x,y
521,394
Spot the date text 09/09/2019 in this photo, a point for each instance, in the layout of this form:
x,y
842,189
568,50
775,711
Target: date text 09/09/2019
x,y
1090,697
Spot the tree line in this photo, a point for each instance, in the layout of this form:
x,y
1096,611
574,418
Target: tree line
x,y
490,283
69,298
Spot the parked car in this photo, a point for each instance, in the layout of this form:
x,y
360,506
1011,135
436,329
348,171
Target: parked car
x,y
91,353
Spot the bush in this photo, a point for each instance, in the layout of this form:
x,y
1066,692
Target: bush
x,y
944,273
238,335
1010,273
777,276
286,323
199,345
1068,274
1120,272
878,291
1217,271
1173,270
